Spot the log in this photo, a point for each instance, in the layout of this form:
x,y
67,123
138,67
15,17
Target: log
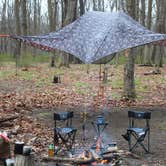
x,y
113,150
8,119
21,160
128,154
77,161
6,124
69,160
152,72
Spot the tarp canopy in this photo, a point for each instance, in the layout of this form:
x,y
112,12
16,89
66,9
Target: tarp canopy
x,y
95,35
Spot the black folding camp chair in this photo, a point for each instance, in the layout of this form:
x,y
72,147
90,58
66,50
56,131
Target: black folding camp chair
x,y
139,133
64,134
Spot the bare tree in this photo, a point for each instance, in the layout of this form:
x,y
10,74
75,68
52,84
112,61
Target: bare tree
x,y
17,24
149,19
24,22
143,12
82,6
35,16
52,17
148,49
24,17
160,28
129,85
69,14
3,27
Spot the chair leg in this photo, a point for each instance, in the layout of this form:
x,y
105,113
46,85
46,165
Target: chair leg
x,y
149,141
72,139
133,146
67,140
129,141
143,147
138,142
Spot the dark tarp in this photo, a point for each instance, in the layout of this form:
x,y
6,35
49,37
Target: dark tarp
x,y
95,35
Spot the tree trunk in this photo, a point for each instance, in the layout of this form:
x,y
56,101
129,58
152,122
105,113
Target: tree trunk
x,y
3,27
137,10
149,19
17,16
129,85
69,13
148,49
82,6
24,21
94,5
24,17
35,16
160,28
52,17
143,49
143,12
39,15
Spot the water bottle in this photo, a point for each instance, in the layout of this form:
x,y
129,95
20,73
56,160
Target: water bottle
x,y
50,150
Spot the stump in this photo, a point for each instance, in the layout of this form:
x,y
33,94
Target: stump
x,y
57,79
21,160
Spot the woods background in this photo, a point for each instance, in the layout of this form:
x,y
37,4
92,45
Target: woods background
x,y
33,17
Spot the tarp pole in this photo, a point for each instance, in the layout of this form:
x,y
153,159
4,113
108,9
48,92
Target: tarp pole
x,y
100,73
17,57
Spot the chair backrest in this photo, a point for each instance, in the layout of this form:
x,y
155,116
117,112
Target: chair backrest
x,y
136,115
66,117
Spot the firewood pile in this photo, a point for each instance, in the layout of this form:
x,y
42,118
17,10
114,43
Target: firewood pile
x,y
108,158
90,158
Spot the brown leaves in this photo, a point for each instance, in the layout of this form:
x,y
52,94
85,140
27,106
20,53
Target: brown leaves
x,y
33,89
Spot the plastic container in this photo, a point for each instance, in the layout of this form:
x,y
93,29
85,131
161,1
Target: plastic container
x,y
27,150
10,162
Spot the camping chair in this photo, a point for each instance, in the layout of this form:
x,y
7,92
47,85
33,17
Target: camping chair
x,y
139,133
64,136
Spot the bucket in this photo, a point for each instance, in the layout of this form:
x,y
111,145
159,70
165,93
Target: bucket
x,y
10,162
18,148
27,150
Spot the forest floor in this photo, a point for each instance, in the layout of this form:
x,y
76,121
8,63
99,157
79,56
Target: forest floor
x,y
33,97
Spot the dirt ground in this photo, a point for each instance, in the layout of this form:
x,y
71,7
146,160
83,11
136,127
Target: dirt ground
x,y
118,122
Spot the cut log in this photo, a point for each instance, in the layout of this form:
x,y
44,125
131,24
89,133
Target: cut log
x,y
68,160
8,118
78,161
21,160
57,79
154,72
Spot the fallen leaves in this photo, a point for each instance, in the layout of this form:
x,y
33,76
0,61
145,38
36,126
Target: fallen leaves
x,y
33,89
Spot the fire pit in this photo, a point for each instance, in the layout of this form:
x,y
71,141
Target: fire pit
x,y
99,154
91,159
